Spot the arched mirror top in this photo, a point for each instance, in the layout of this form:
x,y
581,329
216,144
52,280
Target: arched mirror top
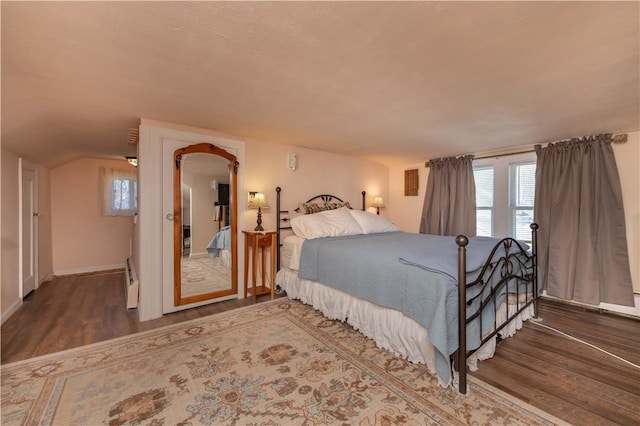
x,y
207,148
205,228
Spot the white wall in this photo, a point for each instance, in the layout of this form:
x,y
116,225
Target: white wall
x,y
10,235
318,172
628,160
403,210
203,228
45,248
82,239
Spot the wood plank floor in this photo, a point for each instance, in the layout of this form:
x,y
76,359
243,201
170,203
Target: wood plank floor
x,y
572,381
78,310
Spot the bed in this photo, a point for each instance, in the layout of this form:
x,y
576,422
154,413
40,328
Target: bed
x,y
220,246
401,289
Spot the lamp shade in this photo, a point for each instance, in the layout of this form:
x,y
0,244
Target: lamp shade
x,y
258,201
378,202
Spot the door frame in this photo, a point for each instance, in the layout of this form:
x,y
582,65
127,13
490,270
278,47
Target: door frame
x,y
151,214
26,165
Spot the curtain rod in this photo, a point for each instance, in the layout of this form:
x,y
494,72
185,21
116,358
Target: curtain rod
x,y
620,138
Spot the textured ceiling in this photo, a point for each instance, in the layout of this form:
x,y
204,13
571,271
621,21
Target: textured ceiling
x,y
389,81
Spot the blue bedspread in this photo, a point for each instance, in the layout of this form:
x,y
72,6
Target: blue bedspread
x,y
220,241
423,285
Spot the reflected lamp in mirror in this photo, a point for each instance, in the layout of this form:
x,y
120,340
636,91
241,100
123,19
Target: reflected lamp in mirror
x,y
378,203
133,161
258,201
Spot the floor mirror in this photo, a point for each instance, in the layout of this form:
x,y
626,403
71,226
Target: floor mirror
x,y
205,224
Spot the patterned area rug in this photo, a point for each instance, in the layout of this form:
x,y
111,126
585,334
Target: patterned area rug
x,y
204,275
274,363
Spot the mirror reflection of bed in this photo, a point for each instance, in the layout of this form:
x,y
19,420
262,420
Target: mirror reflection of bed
x,y
206,240
210,272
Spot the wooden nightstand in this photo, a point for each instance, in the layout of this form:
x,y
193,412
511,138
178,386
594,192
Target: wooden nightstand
x,y
257,242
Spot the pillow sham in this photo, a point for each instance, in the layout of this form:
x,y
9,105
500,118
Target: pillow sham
x,y
329,223
372,223
310,208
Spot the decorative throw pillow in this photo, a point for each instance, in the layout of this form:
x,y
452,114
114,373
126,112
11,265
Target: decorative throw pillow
x,y
310,208
337,205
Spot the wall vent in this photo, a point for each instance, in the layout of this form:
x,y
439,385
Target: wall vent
x,y
133,136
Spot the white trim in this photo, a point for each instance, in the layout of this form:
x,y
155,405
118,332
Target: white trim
x,y
87,269
198,255
20,227
12,310
633,311
23,165
45,279
626,310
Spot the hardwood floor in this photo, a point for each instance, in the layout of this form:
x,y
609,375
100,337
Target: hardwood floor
x,y
570,380
77,310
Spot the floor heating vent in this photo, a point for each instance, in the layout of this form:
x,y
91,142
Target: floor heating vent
x,y
130,285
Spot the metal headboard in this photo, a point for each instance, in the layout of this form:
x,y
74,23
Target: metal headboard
x,y
324,198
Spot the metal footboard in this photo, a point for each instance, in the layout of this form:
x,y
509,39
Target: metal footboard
x,y
510,269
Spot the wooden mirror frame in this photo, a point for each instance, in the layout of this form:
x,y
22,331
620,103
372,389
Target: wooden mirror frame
x,y
205,148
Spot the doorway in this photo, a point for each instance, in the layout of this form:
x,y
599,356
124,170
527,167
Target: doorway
x,y
28,218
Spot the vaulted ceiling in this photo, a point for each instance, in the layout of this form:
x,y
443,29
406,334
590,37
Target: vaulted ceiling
x,y
388,81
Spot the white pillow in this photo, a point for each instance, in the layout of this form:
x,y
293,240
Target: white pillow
x,y
372,223
329,223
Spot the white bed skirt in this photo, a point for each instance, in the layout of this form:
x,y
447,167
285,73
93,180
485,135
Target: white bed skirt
x,y
225,258
390,329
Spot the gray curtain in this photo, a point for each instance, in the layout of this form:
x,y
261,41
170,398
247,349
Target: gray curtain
x,y
582,250
450,201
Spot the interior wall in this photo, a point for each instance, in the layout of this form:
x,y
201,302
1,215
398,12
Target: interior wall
x,y
45,254
10,286
82,239
404,210
628,161
203,227
318,172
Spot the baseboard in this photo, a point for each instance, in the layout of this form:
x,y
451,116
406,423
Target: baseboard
x,y
12,310
45,279
198,255
88,269
633,311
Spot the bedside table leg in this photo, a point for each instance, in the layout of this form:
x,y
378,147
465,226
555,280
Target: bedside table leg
x,y
254,267
273,255
246,268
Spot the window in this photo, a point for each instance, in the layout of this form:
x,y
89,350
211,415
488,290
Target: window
x,y
521,198
505,192
483,177
119,189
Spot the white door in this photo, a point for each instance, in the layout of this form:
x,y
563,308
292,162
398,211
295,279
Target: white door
x,y
28,227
